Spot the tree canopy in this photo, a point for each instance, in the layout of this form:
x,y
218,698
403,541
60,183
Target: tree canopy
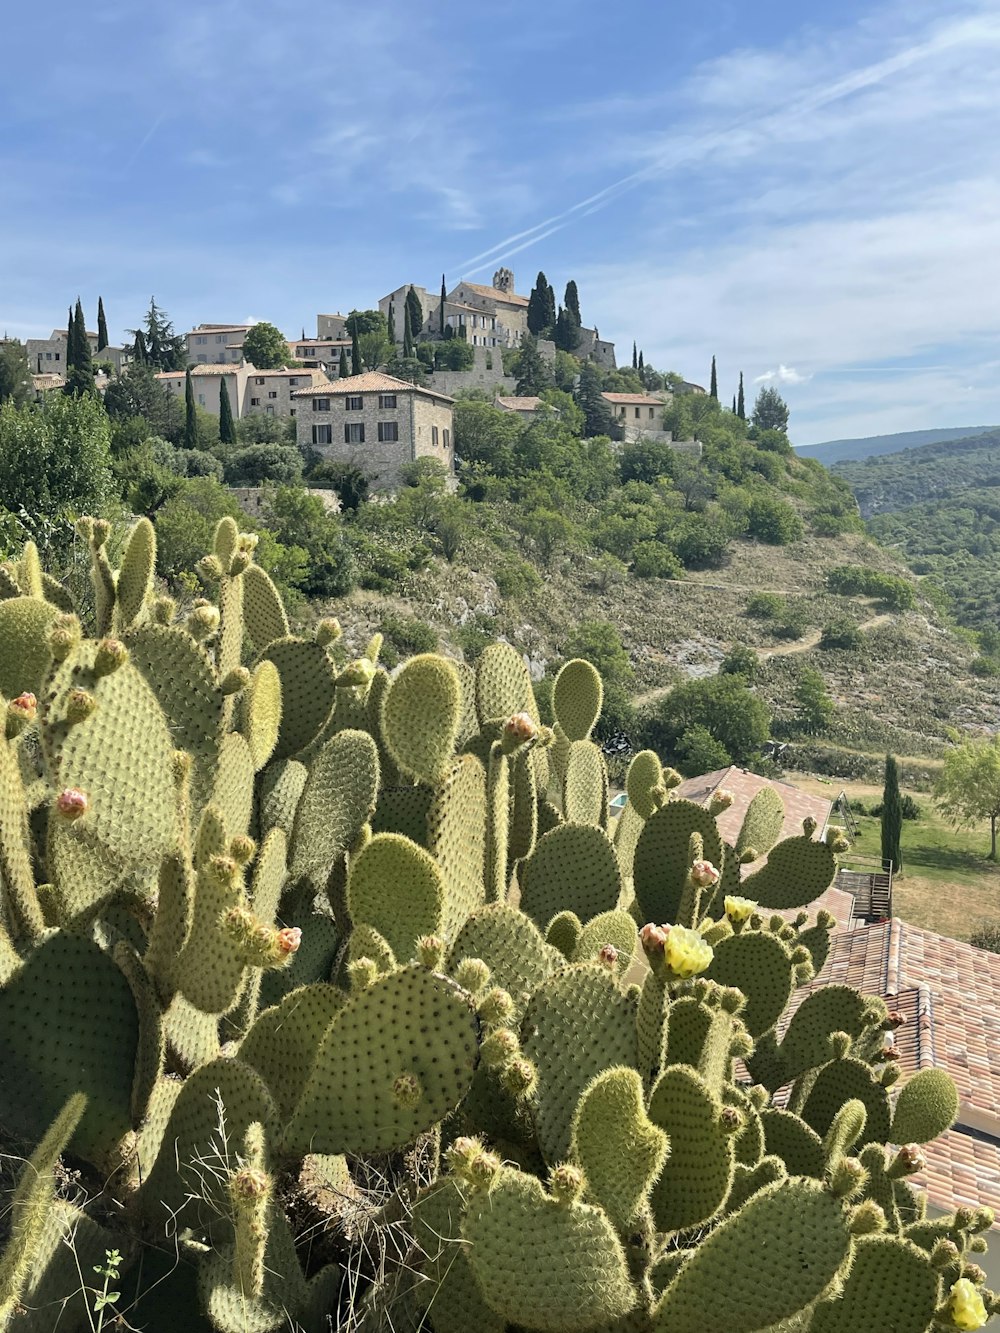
x,y
162,348
968,790
15,372
770,411
266,347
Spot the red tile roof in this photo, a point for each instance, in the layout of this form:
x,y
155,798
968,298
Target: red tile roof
x,y
633,399
526,403
495,294
372,381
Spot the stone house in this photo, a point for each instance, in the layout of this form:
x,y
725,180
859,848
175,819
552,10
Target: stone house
x,y
251,392
637,414
216,344
47,356
319,353
376,422
524,407
332,327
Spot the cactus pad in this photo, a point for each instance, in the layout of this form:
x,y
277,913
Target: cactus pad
x,y
583,785
283,1041
420,717
263,612
577,696
762,822
890,1284
307,692
510,945
619,1148
797,872
338,798
24,626
662,857
759,965
398,888
503,685
925,1108
698,1172
573,868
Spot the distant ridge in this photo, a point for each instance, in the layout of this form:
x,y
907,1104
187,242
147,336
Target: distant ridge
x,y
839,451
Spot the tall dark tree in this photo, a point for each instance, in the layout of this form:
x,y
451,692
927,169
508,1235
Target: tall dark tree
x,y
641,365
533,375
714,386
541,307
227,426
165,349
355,355
392,324
102,326
635,356
770,411
734,404
741,407
597,418
566,334
572,301
892,817
444,297
414,314
344,368
139,348
407,334
79,360
190,440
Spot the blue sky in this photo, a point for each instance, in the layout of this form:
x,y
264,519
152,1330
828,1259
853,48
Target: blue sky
x,y
811,193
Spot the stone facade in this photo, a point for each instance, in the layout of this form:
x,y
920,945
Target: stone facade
x,y
331,326
376,422
251,392
486,372
256,500
319,353
47,356
216,344
592,347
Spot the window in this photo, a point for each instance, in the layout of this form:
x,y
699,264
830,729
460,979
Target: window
x,y
321,404
387,400
255,402
292,412
201,340
354,403
434,436
322,435
354,432
292,382
637,413
447,439
269,410
259,379
651,414
48,356
219,338
388,430
202,357
272,393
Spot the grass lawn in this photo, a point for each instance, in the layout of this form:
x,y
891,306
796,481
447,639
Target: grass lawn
x,y
947,884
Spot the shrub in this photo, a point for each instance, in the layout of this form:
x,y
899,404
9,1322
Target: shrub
x,y
741,661
765,605
895,592
986,936
699,752
517,578
738,719
280,464
407,634
840,632
793,623
655,560
701,542
772,520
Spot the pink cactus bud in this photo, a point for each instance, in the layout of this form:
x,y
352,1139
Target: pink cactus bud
x,y
704,874
79,705
518,730
72,803
25,705
894,1019
608,955
910,1158
248,1184
289,939
653,938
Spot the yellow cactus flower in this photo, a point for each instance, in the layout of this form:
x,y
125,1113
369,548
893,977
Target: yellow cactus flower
x,y
965,1305
685,952
739,909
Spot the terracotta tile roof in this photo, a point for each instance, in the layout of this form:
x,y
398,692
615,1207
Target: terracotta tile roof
x,y
219,328
632,399
372,381
203,368
319,342
514,404
963,1169
495,294
744,787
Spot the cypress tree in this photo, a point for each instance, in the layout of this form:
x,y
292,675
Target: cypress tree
x,y
392,324
102,326
190,413
344,369
444,297
641,366
541,306
734,404
139,349
70,342
892,817
80,362
414,314
407,335
572,301
635,356
227,426
533,375
714,389
741,407
550,307
303,338
355,354
597,416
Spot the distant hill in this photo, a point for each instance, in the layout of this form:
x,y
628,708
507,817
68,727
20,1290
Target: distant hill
x,y
836,451
939,506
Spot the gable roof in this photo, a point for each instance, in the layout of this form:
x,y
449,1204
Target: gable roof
x,y
203,368
526,403
633,399
373,381
744,787
494,293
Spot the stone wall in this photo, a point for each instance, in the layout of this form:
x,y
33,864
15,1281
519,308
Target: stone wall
x,y
424,426
483,375
255,500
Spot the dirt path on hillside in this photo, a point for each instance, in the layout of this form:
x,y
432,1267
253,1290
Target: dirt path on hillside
x,y
802,645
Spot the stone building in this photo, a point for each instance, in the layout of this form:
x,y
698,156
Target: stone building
x,y
251,392
637,414
376,422
331,326
319,353
47,356
216,344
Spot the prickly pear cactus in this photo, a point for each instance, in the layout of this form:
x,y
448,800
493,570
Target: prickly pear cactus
x,y
348,1007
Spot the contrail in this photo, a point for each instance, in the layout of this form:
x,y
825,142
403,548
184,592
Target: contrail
x,y
867,77
144,141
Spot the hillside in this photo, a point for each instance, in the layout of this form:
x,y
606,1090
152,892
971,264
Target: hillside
x,y
869,446
939,506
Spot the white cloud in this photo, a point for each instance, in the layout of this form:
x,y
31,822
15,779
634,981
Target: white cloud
x,y
783,375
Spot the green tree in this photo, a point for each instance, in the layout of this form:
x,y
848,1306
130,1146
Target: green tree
x,y
600,643
444,298
413,319
260,428
102,326
734,716
741,661
533,374
375,348
227,426
136,392
770,411
190,413
355,355
366,321
302,520
968,789
713,391
258,464
15,372
138,348
741,410
407,340
549,532
391,331
485,434
79,359
265,347
815,707
346,479
344,368
892,817
635,356
164,349
699,752
597,418
541,307
55,458
566,333
571,300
